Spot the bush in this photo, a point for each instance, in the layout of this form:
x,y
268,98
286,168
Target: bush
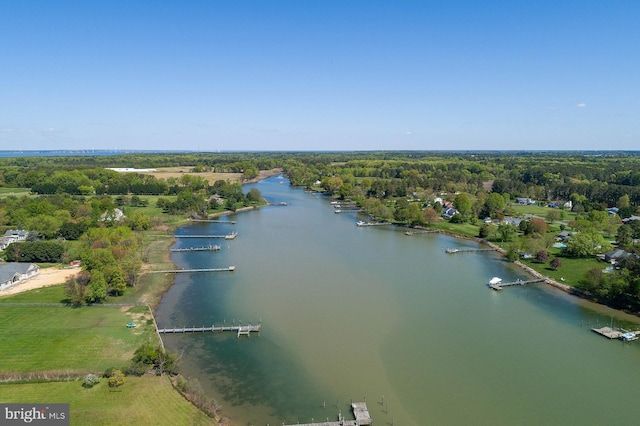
x,y
116,379
90,380
109,372
137,369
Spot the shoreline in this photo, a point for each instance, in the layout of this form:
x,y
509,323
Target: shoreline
x,y
564,287
573,291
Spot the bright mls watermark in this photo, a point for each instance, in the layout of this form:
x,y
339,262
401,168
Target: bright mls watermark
x,y
37,414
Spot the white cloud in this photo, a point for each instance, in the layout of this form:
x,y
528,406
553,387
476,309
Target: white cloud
x,y
582,105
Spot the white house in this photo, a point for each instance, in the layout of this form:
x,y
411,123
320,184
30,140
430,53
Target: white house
x,y
13,236
13,273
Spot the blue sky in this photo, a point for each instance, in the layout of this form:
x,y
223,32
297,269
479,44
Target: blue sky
x,y
319,75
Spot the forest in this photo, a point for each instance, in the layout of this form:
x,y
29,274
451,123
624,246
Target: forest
x,y
69,197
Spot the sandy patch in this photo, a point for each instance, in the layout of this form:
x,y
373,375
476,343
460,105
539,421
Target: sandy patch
x,y
46,277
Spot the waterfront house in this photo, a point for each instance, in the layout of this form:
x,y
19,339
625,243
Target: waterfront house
x,y
525,201
629,219
12,273
515,221
448,212
5,241
614,256
17,234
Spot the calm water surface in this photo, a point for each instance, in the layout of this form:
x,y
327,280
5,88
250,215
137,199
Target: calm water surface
x,y
354,313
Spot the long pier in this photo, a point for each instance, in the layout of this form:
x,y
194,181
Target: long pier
x,y
231,236
360,412
178,271
467,250
241,330
500,285
208,248
231,222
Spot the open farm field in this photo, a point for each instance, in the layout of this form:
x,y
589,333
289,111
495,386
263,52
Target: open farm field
x,y
177,172
56,339
147,400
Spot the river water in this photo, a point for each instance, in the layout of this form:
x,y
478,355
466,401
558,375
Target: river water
x,y
353,313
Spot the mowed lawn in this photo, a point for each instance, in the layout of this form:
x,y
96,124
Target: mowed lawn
x,y
147,400
74,340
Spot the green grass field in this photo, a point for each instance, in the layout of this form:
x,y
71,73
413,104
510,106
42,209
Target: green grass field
x,y
522,209
147,400
53,294
570,272
464,229
39,339
17,192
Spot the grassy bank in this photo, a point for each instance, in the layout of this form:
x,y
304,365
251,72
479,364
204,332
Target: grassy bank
x,y
54,339
148,400
48,345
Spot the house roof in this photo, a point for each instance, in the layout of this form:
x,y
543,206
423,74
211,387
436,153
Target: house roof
x,y
16,233
616,254
9,270
631,218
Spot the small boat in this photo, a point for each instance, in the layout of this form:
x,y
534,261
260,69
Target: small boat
x,y
338,211
282,203
452,250
361,223
495,280
628,337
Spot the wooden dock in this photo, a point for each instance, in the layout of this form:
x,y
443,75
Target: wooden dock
x,y
231,236
362,223
499,286
241,330
208,248
360,412
617,333
467,250
231,222
178,271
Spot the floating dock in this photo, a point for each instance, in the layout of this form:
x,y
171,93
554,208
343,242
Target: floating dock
x,y
239,329
360,412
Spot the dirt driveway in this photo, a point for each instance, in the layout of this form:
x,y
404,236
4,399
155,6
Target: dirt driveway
x,y
46,277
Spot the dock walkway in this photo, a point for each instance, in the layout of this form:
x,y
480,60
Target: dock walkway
x,y
617,333
467,250
500,285
230,236
360,412
207,248
240,329
178,271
